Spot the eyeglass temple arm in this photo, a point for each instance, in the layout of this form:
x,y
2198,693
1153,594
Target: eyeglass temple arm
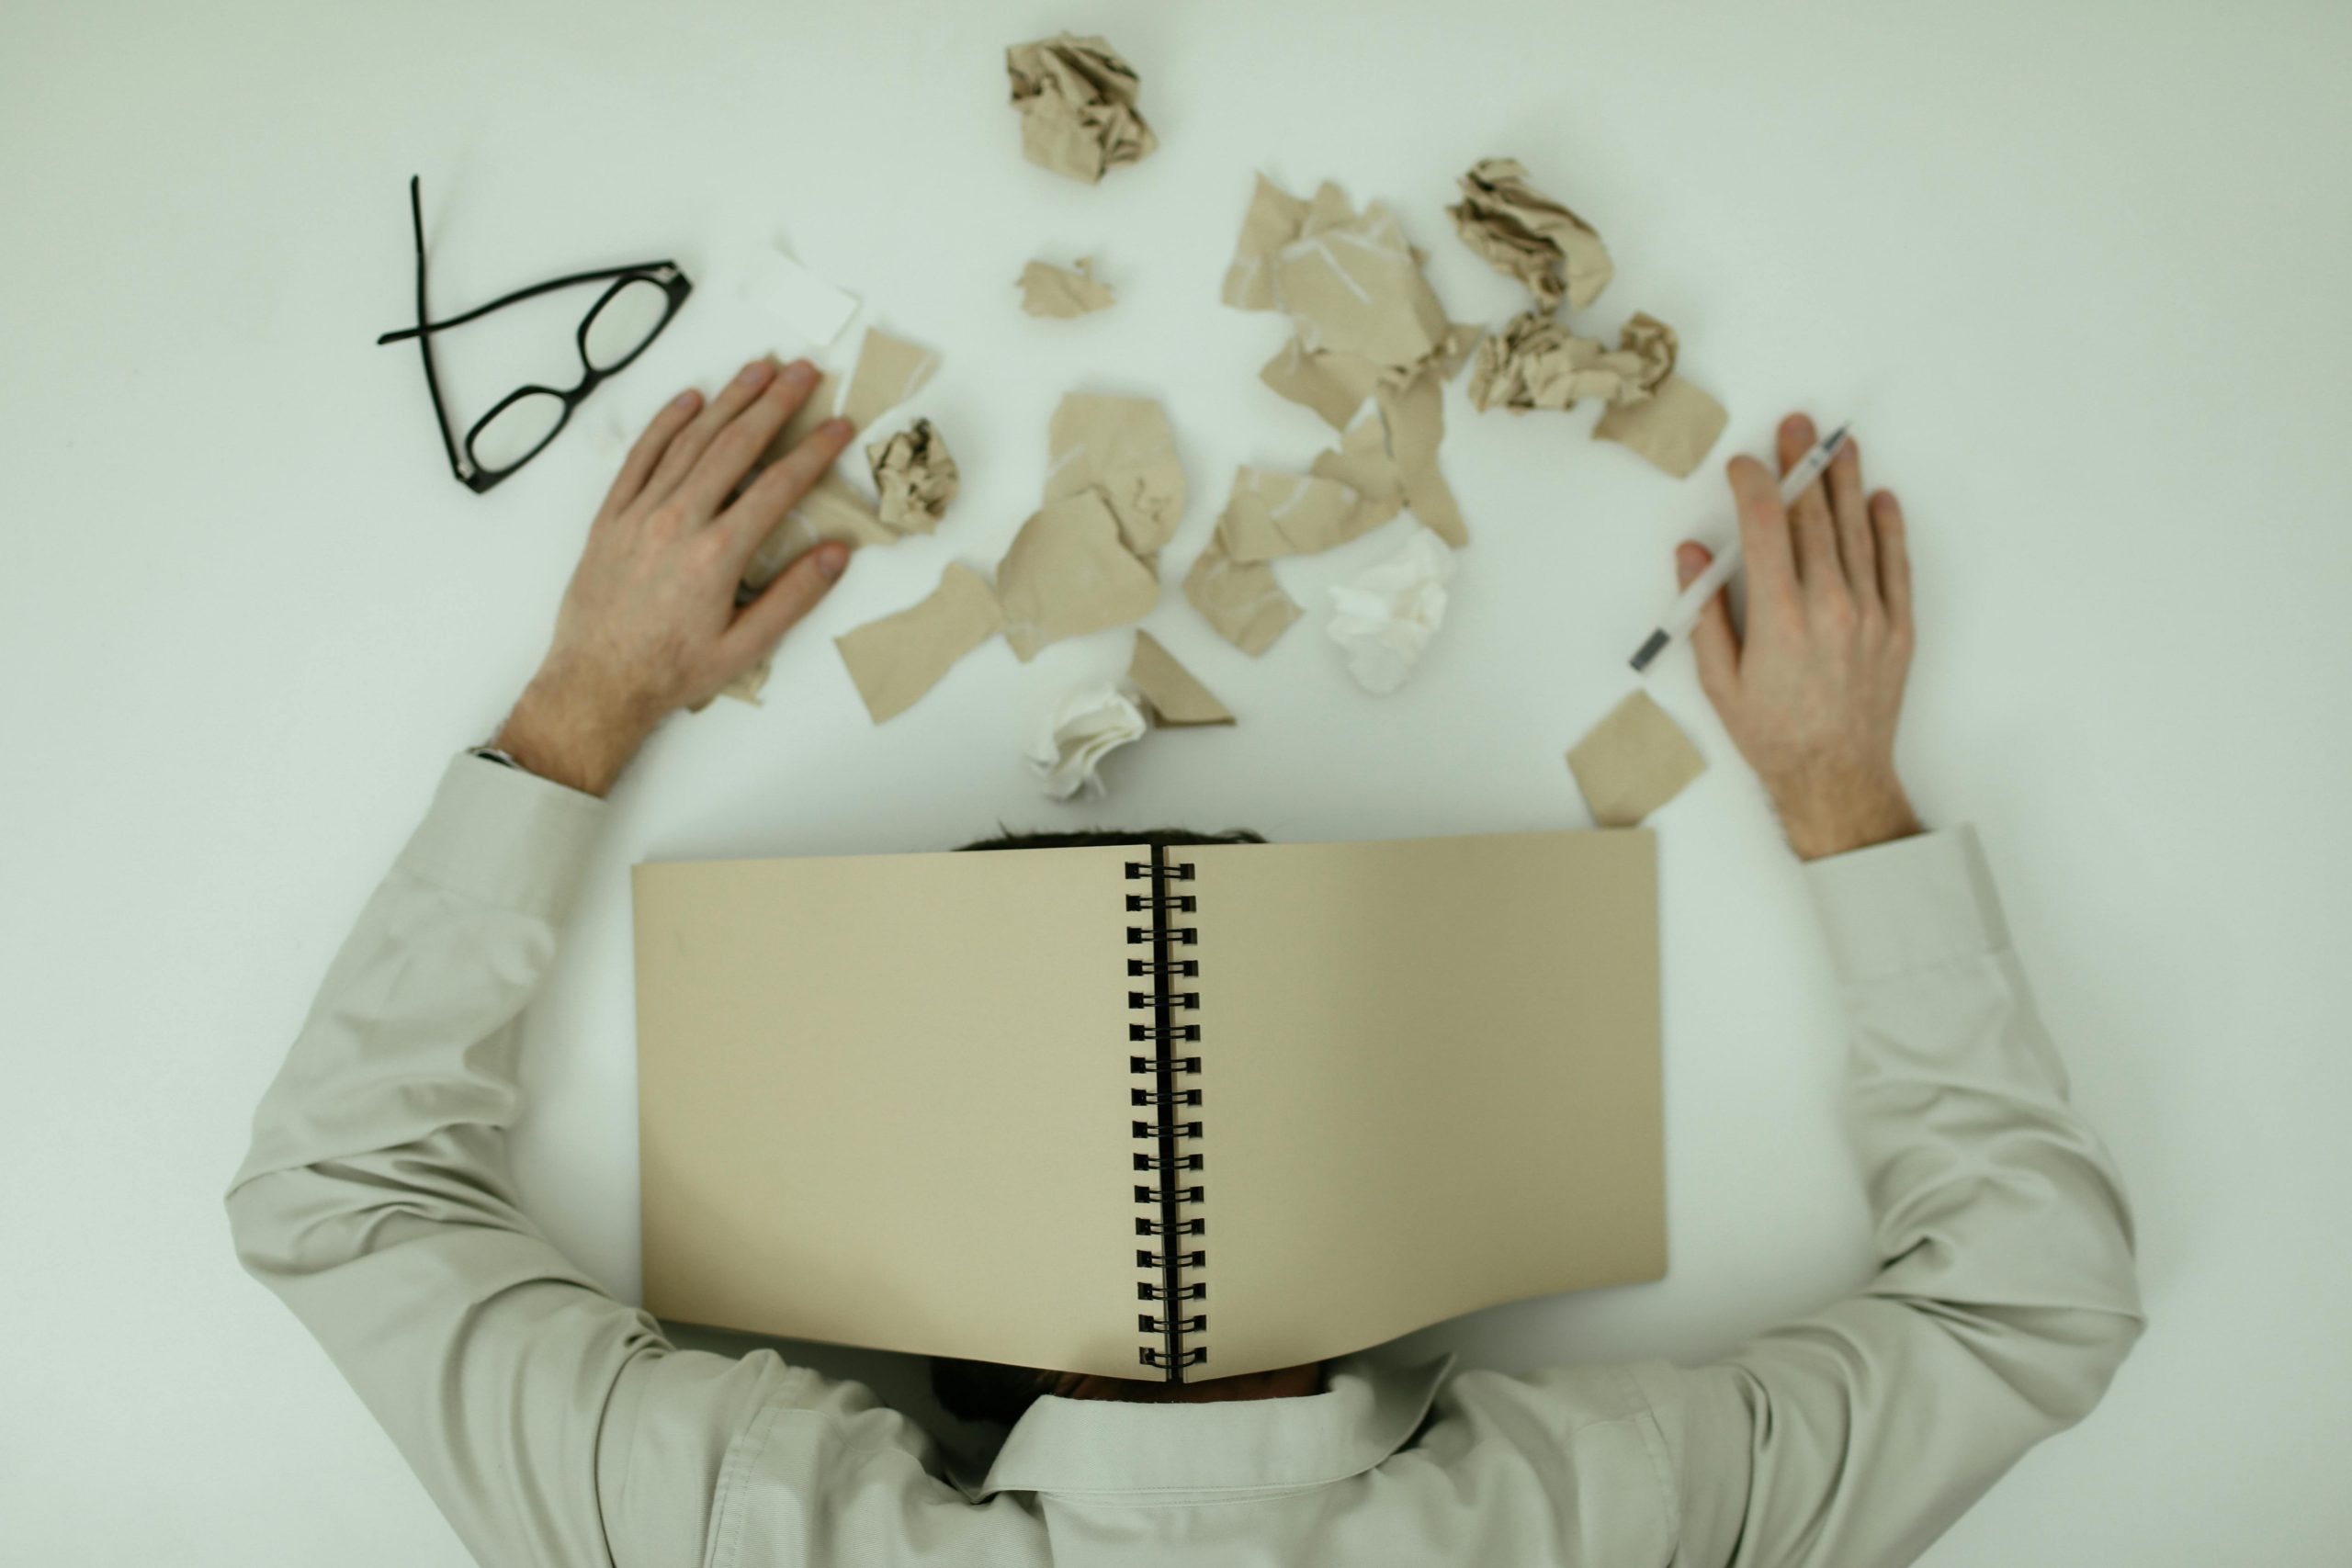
x,y
423,348
506,299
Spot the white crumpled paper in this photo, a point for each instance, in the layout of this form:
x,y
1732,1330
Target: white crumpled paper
x,y
1384,620
1088,725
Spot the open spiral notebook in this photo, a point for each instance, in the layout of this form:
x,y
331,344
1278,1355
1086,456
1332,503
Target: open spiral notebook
x,y
1172,1112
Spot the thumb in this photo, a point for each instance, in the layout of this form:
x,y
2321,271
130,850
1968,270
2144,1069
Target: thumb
x,y
795,592
1712,642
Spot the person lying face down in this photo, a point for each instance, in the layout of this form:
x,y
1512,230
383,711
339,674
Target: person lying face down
x,y
551,1423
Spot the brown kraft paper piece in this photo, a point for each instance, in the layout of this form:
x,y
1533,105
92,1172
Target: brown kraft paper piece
x,y
1067,573
1272,222
1522,233
1415,416
889,371
1633,762
1169,694
1672,428
915,478
1333,385
1361,462
1077,99
1242,600
1272,514
1354,288
1537,363
1122,448
894,660
1060,292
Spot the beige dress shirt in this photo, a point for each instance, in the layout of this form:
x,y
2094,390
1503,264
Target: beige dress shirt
x,y
554,1425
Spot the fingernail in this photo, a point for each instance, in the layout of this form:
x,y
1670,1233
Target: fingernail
x,y
757,371
836,427
686,398
831,560
800,372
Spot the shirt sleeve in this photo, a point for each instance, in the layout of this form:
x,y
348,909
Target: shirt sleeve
x,y
377,1202
2005,1296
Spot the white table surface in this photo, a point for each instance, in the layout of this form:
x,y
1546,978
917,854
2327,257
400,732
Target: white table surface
x,y
2076,271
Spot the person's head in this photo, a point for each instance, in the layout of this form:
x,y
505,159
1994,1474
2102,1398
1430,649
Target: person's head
x,y
989,1391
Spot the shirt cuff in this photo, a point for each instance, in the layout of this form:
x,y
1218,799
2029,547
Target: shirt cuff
x,y
505,836
1907,904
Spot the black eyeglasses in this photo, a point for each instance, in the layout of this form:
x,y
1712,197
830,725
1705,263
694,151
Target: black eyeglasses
x,y
626,318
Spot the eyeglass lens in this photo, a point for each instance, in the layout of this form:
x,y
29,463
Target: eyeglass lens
x,y
624,322
515,430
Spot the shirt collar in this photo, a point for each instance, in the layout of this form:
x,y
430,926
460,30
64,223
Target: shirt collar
x,y
1367,1411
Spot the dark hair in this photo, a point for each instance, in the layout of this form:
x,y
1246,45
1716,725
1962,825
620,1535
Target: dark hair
x,y
992,1391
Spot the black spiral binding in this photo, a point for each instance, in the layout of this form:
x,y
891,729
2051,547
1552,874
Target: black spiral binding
x,y
1175,1346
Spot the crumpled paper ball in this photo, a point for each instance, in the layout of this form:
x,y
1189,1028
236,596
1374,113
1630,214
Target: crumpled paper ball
x,y
1087,726
1384,620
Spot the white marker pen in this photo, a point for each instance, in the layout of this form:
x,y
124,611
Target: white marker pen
x,y
1685,612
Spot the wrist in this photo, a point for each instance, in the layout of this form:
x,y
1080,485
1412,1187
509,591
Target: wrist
x,y
563,733
1835,817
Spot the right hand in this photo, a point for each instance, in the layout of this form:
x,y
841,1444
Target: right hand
x,y
1811,694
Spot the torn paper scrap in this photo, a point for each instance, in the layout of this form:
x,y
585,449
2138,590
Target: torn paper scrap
x,y
1673,428
1050,290
1068,574
1384,620
1077,99
1122,448
914,477
896,658
1328,209
1633,762
888,372
1084,727
1537,363
1459,343
1272,222
1364,465
1354,288
1333,385
1524,233
1272,514
1415,415
1172,697
1240,599
812,308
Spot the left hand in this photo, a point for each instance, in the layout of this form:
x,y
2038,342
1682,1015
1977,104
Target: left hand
x,y
649,623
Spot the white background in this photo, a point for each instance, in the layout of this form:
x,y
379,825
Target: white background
x,y
2076,270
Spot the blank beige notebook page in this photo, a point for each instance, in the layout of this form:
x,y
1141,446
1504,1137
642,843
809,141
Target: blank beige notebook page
x,y
883,1101
1429,1082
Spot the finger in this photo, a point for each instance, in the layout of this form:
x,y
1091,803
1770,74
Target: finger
x,y
781,604
1893,558
1712,642
755,514
638,467
733,450
1814,538
691,442
1855,547
1764,542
